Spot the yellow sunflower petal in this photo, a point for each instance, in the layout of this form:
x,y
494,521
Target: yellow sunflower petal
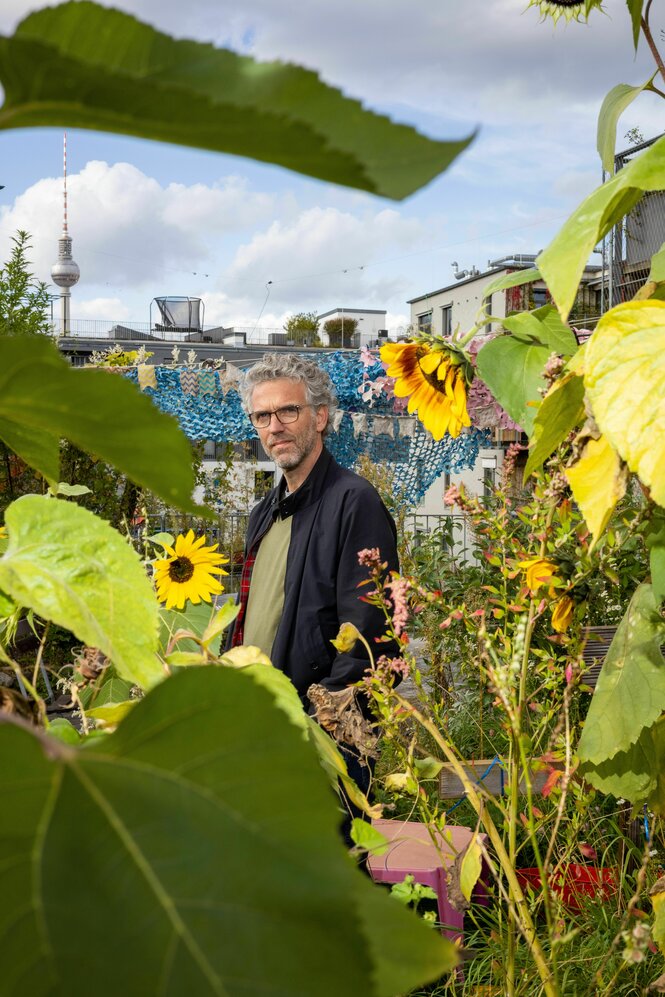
x,y
563,614
429,362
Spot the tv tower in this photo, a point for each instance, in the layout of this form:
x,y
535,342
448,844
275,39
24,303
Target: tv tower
x,y
65,273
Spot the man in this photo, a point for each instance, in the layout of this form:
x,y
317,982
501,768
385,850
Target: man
x,y
301,573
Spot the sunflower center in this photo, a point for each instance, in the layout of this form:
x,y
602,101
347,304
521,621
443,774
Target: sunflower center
x,y
181,570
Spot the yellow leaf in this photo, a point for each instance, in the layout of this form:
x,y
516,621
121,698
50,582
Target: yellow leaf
x,y
112,714
625,383
242,657
346,638
470,868
578,360
598,481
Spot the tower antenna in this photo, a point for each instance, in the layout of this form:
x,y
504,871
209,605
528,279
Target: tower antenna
x,y
65,273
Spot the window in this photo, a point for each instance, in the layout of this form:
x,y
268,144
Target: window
x,y
213,450
425,322
446,320
249,450
539,297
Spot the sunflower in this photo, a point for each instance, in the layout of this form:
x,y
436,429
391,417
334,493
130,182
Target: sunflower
x,y
435,380
570,9
187,572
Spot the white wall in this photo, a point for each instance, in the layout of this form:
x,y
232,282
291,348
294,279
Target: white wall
x,y
466,299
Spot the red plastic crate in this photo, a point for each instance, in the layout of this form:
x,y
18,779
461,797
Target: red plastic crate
x,y
572,882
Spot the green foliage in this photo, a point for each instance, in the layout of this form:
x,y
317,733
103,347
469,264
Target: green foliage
x,y
341,331
657,272
303,329
512,365
23,300
112,496
635,8
630,692
71,567
43,399
215,838
515,279
625,361
615,103
513,371
560,411
562,263
139,81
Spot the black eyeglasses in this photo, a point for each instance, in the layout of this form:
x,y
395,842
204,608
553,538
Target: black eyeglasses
x,y
284,415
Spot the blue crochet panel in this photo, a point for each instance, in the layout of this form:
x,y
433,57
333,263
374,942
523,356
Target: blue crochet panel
x,y
208,409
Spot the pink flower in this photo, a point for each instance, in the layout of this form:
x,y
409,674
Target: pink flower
x,y
397,665
370,557
399,588
451,496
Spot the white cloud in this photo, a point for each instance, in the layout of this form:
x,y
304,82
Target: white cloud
x,y
324,258
127,228
104,309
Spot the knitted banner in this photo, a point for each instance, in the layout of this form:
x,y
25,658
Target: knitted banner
x,y
207,405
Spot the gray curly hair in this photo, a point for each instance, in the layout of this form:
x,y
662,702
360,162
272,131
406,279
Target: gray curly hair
x,y
319,389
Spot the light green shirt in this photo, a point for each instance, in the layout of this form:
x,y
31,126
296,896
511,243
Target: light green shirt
x,y
266,590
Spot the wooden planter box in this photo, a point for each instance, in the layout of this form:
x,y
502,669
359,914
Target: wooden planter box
x,y
486,773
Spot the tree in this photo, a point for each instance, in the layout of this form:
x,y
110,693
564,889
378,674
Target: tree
x,y
341,331
303,329
23,300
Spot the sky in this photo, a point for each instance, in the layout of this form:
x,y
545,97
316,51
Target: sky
x,y
258,243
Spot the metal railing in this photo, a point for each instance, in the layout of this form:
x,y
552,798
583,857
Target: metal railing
x,y
131,331
636,238
230,528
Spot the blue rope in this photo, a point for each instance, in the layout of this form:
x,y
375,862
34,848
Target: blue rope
x,y
495,761
647,832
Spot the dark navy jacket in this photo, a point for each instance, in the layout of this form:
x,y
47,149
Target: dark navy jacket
x,y
336,513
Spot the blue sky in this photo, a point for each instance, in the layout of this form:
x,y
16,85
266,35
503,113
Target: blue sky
x,y
149,219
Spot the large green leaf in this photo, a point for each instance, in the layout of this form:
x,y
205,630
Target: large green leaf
x,y
544,326
560,411
86,66
615,103
208,861
194,618
513,371
655,541
631,774
657,273
71,567
625,382
43,399
630,692
562,263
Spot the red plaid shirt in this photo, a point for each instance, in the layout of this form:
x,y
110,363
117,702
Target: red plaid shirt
x,y
245,582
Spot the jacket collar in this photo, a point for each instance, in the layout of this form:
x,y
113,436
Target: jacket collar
x,y
310,491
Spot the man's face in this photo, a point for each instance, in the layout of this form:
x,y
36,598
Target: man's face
x,y
289,445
